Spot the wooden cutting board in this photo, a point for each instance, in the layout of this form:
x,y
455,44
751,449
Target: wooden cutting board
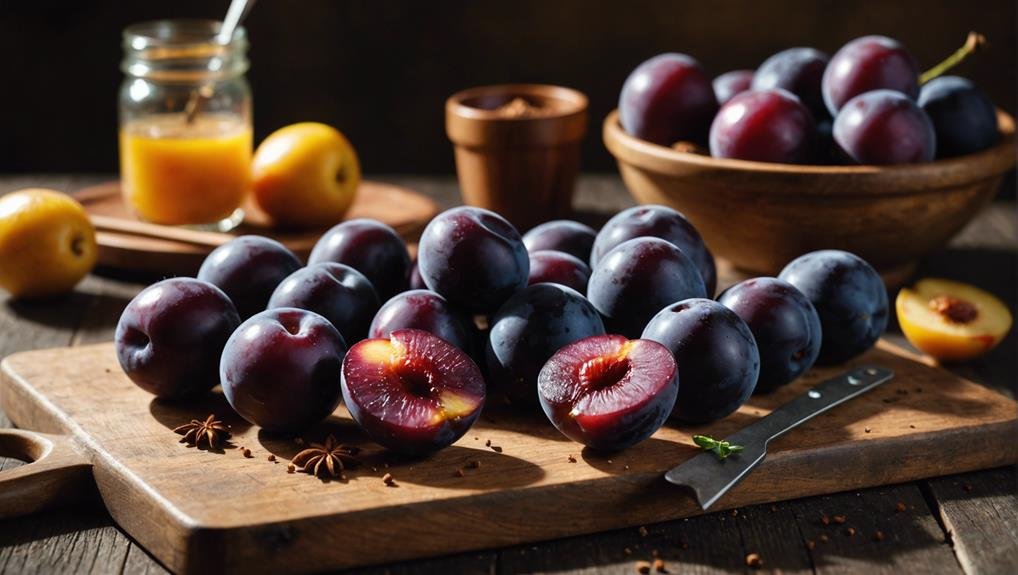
x,y
199,511
163,254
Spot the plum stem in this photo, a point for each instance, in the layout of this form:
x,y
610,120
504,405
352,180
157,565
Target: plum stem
x,y
975,42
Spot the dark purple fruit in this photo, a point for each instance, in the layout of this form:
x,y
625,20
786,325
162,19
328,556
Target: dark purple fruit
x,y
529,328
337,292
866,64
884,127
281,369
799,71
474,258
764,126
559,268
785,326
170,336
427,311
567,236
370,247
657,222
963,117
849,297
731,83
638,278
667,99
248,269
717,357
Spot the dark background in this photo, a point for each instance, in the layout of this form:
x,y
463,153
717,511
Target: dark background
x,y
380,70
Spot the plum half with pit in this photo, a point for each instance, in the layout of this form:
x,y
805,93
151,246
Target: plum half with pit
x,y
474,258
529,328
638,278
412,392
567,236
560,268
657,222
608,392
337,292
425,310
248,269
370,247
281,369
717,357
170,336
785,326
849,296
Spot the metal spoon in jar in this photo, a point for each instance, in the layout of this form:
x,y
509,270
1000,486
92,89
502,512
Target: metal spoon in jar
x,y
235,14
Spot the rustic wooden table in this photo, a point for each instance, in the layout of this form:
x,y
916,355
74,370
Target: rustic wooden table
x,y
963,523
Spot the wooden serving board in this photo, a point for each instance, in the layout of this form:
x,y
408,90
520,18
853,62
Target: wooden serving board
x,y
405,210
198,511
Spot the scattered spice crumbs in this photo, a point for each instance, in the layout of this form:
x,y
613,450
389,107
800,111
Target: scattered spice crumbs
x,y
643,567
642,531
247,453
900,507
659,566
867,430
487,443
496,448
911,426
389,480
753,560
271,458
572,459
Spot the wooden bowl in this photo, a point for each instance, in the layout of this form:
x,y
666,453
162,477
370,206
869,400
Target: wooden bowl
x,y
760,216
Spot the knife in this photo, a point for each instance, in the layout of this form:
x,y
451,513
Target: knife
x,y
710,477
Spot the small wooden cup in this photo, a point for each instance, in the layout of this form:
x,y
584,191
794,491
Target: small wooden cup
x,y
519,161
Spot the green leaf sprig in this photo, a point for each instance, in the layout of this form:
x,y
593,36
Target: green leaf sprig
x,y
720,448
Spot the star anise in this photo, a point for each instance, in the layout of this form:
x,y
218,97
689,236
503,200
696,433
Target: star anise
x,y
328,459
212,432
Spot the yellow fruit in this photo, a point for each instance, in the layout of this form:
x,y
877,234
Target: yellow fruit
x,y
305,175
950,320
47,243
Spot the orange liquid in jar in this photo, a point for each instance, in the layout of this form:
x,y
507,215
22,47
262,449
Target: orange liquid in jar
x,y
177,173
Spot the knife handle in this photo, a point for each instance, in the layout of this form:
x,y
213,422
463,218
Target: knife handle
x,y
812,403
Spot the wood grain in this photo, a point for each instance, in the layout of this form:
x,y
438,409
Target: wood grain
x,y
978,514
256,515
168,250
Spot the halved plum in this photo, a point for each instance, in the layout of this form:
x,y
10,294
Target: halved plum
x,y
608,392
414,392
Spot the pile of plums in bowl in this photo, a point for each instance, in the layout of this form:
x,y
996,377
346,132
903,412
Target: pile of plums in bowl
x,y
609,332
867,104
856,151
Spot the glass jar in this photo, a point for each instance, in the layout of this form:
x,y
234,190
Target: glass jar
x,y
185,124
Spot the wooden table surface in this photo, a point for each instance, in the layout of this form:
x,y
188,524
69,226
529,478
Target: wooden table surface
x,y
956,524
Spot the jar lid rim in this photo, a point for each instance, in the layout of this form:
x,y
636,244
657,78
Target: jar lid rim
x,y
177,33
